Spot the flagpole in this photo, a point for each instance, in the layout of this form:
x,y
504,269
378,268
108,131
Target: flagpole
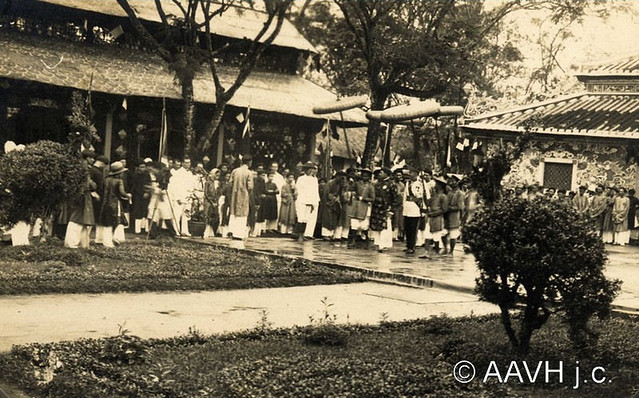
x,y
163,132
328,168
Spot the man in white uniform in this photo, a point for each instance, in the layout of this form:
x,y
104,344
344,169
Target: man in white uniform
x,y
307,203
181,187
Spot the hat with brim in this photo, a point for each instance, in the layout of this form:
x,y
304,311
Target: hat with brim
x,y
117,168
309,165
440,180
365,171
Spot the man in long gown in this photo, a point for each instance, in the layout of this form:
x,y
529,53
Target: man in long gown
x,y
241,184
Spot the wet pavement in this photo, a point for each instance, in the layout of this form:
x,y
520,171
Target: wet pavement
x,y
457,272
49,318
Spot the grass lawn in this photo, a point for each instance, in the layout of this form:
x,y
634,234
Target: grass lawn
x,y
157,265
394,359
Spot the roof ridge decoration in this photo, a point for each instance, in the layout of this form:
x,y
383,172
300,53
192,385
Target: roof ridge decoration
x,y
619,66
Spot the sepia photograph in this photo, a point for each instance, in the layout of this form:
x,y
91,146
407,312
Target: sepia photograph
x,y
319,198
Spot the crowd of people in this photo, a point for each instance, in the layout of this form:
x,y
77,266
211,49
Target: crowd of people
x,y
355,208
612,209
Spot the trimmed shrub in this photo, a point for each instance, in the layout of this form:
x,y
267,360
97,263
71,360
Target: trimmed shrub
x,y
37,180
546,256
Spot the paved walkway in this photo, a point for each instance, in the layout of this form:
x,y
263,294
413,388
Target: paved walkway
x,y
457,272
48,318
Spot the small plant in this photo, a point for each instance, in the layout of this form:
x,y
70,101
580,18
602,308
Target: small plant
x,y
440,325
196,210
263,324
124,348
323,331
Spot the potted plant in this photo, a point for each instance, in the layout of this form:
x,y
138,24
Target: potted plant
x,y
197,221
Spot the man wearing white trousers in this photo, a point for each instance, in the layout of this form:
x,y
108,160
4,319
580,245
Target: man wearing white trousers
x,y
307,203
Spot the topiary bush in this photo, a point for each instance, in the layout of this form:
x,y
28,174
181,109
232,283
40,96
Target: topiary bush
x,y
541,255
36,180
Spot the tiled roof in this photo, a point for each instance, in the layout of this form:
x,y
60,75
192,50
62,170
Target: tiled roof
x,y
603,115
125,72
628,66
236,22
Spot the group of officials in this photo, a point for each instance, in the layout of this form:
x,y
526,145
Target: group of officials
x,y
354,208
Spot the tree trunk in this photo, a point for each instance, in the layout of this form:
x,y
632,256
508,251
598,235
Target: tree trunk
x,y
205,141
505,320
190,149
372,135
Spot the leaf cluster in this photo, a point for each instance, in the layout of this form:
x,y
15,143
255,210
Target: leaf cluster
x,y
80,119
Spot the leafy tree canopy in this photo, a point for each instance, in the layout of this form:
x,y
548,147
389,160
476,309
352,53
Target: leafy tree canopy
x,y
423,49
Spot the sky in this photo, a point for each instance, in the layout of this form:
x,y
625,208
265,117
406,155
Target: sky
x,y
593,41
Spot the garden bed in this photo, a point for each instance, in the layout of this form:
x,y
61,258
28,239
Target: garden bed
x,y
157,265
413,358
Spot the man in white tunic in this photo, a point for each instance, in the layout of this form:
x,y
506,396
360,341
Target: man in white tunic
x,y
181,187
307,203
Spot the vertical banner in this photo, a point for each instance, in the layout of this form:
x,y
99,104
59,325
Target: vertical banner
x,y
328,166
247,122
164,132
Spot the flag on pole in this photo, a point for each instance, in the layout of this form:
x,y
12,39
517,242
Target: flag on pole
x,y
459,146
164,131
89,102
116,32
124,104
247,122
466,142
474,145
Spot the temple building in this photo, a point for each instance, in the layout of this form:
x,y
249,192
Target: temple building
x,y
53,48
587,138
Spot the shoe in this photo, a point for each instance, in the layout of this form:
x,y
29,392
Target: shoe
x,y
425,256
410,252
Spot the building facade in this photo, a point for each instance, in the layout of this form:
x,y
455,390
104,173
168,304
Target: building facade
x,y
588,138
52,48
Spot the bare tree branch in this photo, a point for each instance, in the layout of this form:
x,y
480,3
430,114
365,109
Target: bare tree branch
x,y
143,32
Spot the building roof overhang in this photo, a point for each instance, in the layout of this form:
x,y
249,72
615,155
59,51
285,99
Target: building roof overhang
x,y
589,115
237,22
125,72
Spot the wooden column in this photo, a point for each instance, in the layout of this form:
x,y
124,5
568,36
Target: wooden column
x,y
219,156
108,132
312,143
